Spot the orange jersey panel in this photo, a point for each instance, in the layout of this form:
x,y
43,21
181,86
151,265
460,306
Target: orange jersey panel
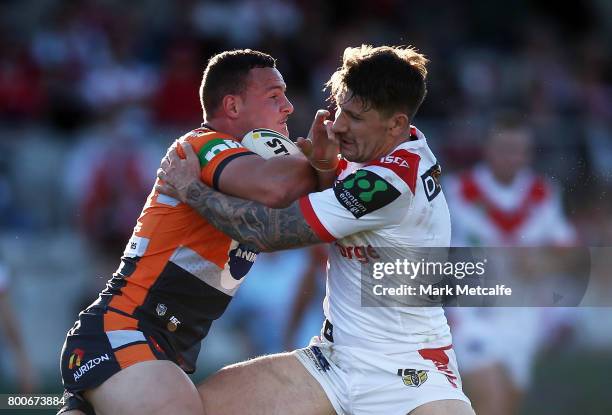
x,y
170,231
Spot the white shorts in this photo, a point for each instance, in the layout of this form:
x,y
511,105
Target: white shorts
x,y
509,337
359,381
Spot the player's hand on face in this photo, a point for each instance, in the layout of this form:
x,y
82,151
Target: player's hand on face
x,y
321,147
176,173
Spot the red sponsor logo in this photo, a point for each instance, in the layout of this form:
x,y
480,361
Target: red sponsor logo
x,y
360,252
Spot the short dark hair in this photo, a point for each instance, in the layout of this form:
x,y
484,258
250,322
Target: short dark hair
x,y
386,78
509,119
226,73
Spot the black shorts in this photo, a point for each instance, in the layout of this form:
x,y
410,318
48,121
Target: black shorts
x,y
102,343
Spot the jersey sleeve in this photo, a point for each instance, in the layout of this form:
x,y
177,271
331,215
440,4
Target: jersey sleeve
x,y
215,150
375,196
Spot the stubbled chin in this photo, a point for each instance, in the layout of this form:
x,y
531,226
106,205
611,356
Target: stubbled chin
x,y
345,150
346,155
351,155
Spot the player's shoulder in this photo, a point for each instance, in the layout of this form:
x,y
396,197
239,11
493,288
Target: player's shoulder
x,y
204,137
542,189
208,144
367,188
402,165
399,168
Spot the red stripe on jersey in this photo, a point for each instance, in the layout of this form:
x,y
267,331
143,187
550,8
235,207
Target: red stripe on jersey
x,y
342,165
404,164
313,220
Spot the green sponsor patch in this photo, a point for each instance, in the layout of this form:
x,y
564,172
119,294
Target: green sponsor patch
x,y
363,192
214,147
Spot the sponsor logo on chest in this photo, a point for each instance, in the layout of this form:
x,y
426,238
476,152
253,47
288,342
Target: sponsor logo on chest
x,y
360,253
364,192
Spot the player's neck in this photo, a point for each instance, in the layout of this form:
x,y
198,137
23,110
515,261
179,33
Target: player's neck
x,y
224,126
392,145
504,180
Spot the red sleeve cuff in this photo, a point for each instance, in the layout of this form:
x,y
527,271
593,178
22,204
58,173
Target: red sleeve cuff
x,y
313,220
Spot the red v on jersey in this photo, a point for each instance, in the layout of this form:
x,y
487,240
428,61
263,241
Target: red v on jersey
x,y
508,221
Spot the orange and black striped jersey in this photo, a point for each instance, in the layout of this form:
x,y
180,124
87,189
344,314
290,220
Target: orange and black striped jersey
x,y
178,273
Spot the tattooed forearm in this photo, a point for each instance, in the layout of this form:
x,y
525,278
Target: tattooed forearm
x,y
251,223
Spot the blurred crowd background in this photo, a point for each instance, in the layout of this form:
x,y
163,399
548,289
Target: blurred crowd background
x,y
93,91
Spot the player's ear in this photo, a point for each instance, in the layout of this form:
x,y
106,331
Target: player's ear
x,y
232,105
398,123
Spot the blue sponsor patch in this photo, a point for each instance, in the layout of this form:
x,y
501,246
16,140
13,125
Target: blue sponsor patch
x,y
241,259
318,358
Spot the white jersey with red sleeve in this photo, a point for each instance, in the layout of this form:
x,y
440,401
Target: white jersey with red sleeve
x,y
527,212
485,212
393,202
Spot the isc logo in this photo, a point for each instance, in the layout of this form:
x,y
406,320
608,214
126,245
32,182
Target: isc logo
x,y
395,160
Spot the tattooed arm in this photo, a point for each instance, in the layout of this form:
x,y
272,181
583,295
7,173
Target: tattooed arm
x,y
251,223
